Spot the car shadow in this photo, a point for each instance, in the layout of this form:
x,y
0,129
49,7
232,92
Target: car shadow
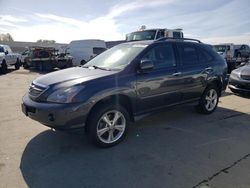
x,y
168,149
8,71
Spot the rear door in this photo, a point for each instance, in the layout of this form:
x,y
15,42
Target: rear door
x,y
160,86
194,70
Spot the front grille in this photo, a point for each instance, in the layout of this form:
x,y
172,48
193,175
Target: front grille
x,y
245,77
36,90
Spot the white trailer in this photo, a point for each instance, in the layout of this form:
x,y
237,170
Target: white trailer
x,y
84,50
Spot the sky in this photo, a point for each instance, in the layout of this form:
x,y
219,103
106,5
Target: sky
x,y
212,21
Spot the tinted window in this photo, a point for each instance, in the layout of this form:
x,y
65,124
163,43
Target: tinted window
x,y
162,56
204,56
188,54
1,49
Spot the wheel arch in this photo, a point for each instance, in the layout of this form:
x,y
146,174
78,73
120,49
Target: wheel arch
x,y
218,83
120,99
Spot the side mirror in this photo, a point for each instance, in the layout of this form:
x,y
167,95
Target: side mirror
x,y
146,65
6,52
228,48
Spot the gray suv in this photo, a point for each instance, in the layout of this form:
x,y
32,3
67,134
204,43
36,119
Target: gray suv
x,y
124,84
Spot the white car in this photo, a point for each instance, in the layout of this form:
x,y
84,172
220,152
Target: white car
x,y
8,58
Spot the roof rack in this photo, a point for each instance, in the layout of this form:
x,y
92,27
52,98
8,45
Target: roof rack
x,y
169,38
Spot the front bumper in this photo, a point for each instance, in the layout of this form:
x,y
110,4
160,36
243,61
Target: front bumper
x,y
239,86
57,116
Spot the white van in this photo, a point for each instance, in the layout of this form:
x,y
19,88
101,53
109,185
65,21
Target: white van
x,y
84,50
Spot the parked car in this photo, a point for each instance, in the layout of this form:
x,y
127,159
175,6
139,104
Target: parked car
x,y
242,51
124,84
239,81
8,58
84,50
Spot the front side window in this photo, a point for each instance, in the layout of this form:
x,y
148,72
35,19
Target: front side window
x,y
188,54
162,56
1,49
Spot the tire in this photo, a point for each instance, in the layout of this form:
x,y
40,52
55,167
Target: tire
x,y
103,131
25,65
209,100
18,64
4,68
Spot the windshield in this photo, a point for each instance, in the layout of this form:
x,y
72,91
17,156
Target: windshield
x,y
117,57
141,35
1,49
220,48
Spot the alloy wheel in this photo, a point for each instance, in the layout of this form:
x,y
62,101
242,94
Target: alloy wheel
x,y
211,99
111,126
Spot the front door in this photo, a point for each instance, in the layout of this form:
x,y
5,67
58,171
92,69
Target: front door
x,y
160,86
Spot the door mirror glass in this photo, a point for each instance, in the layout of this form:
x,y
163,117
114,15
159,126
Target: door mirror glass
x,y
6,52
146,65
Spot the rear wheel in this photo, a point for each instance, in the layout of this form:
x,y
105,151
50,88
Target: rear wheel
x,y
4,68
209,100
18,64
107,125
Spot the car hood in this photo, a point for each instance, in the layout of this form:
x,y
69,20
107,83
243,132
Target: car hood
x,y
71,75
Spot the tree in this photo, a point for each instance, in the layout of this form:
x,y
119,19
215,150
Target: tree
x,y
6,37
46,41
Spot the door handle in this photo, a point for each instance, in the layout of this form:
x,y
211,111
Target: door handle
x,y
177,74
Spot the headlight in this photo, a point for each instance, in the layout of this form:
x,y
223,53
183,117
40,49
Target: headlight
x,y
235,75
64,95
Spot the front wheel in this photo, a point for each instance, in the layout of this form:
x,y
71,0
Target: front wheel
x,y
209,100
108,125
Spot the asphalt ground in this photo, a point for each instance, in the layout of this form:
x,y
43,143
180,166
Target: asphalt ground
x,y
178,148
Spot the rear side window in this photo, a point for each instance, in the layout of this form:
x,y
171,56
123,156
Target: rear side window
x,y
188,54
204,56
162,56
